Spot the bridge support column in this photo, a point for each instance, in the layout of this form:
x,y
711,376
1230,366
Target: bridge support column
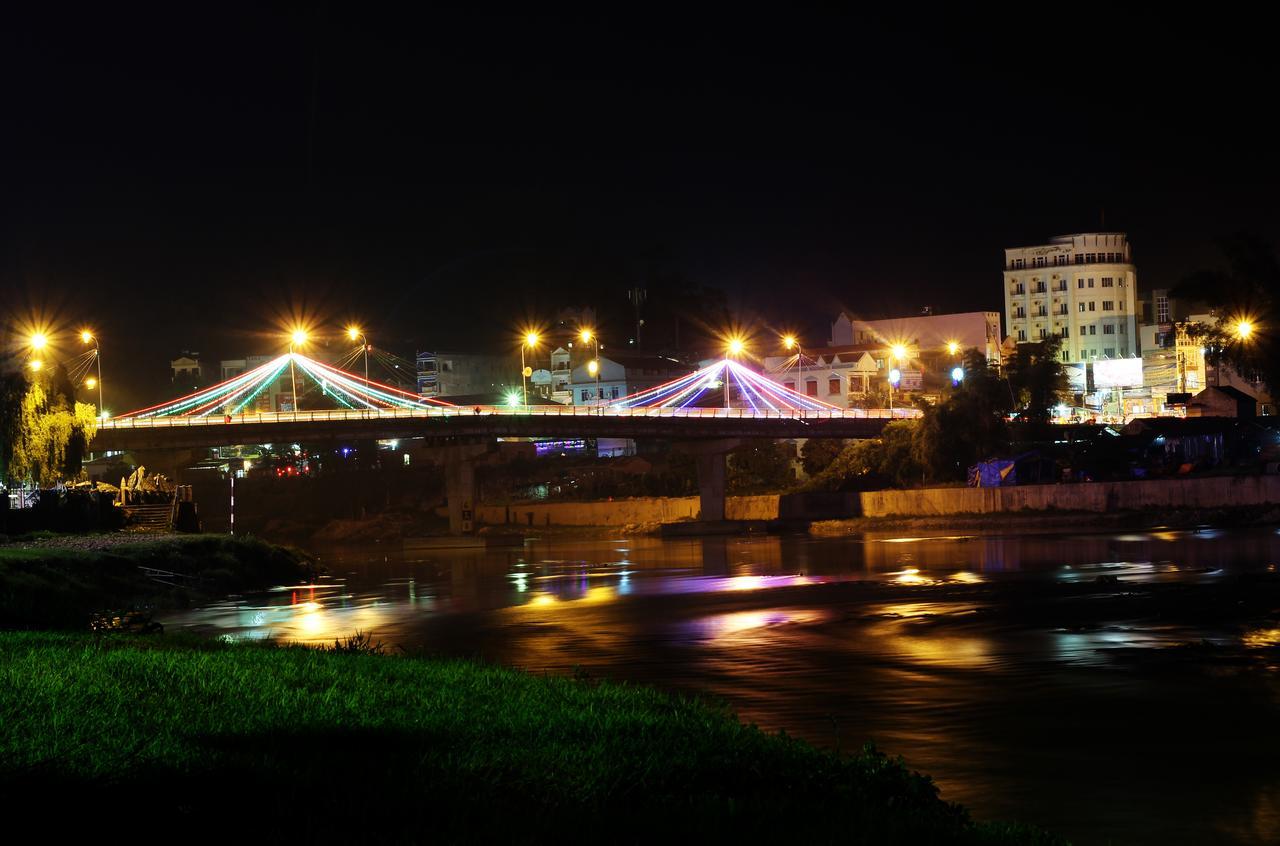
x,y
710,458
711,471
460,486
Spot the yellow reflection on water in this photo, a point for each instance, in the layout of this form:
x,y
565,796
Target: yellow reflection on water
x,y
740,623
1262,638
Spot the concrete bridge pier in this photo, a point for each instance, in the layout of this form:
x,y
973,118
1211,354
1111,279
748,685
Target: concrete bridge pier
x,y
710,458
460,485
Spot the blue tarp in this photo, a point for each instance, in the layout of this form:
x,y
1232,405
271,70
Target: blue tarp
x,y
1002,472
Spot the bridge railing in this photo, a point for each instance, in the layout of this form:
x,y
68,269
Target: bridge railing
x,y
339,415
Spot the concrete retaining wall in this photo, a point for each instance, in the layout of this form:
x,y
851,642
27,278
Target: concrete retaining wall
x,y
620,512
1213,492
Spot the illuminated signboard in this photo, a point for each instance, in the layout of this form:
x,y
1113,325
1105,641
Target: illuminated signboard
x,y
572,445
1117,373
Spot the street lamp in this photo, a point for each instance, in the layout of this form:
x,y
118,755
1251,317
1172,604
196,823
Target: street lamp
x,y
953,347
356,334
38,341
296,339
735,348
530,341
593,367
791,341
895,376
35,364
1244,329
85,337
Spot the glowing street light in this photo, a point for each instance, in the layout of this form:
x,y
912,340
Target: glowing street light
x,y
895,376
87,336
736,346
38,340
355,333
35,364
957,375
593,367
899,352
790,341
297,338
91,383
1244,329
953,347
531,341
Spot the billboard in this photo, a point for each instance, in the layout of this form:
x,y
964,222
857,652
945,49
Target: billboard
x,y
1117,373
1076,377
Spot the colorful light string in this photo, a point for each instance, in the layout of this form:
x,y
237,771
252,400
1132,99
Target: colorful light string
x,y
759,392
241,392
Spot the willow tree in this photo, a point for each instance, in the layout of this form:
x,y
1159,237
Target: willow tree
x,y
45,441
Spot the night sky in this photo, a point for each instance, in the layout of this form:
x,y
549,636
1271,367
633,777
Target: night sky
x,y
189,181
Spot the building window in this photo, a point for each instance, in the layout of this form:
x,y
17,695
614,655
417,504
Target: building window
x,y
1082,306
1093,330
1038,261
1044,333
1091,305
1090,283
1079,283
1108,305
1079,258
1062,309
833,386
1041,311
1108,282
1020,312
1124,330
1108,329
1064,356
1017,288
1066,332
811,387
1022,334
1038,289
790,386
1109,352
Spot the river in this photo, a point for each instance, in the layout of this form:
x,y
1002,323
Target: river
x,y
1014,670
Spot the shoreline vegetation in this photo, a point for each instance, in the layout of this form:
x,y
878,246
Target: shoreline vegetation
x,y
348,744
60,581
342,744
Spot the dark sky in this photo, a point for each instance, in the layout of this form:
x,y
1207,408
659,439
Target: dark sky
x,y
183,179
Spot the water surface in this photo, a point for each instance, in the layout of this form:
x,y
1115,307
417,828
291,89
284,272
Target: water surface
x,y
1004,667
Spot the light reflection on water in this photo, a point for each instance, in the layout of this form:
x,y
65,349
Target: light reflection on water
x,y
921,644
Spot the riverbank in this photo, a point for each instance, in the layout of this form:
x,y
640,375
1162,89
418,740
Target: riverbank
x,y
61,581
1035,522
334,745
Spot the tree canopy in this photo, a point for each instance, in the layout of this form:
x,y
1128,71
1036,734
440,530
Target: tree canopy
x,y
43,431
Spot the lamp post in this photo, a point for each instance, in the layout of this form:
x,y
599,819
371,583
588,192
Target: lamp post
x,y
356,334
791,341
736,346
897,353
85,337
296,339
593,367
530,341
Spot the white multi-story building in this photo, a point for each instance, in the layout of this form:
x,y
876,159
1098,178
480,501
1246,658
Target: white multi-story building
x,y
1082,288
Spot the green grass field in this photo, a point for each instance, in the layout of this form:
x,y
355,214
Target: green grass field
x,y
166,735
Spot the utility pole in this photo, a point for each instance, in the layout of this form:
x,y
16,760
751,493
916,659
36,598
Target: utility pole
x,y
638,296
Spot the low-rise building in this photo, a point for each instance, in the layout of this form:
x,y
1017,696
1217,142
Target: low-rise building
x,y
622,375
453,374
928,333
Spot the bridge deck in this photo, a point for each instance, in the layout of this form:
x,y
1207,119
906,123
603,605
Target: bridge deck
x,y
490,421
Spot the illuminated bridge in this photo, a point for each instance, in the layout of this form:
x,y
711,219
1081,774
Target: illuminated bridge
x,y
678,411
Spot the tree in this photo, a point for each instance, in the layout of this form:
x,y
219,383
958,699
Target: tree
x,y
818,453
1247,291
760,466
45,441
1037,379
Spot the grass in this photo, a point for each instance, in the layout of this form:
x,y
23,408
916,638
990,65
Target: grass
x,y
60,587
345,745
